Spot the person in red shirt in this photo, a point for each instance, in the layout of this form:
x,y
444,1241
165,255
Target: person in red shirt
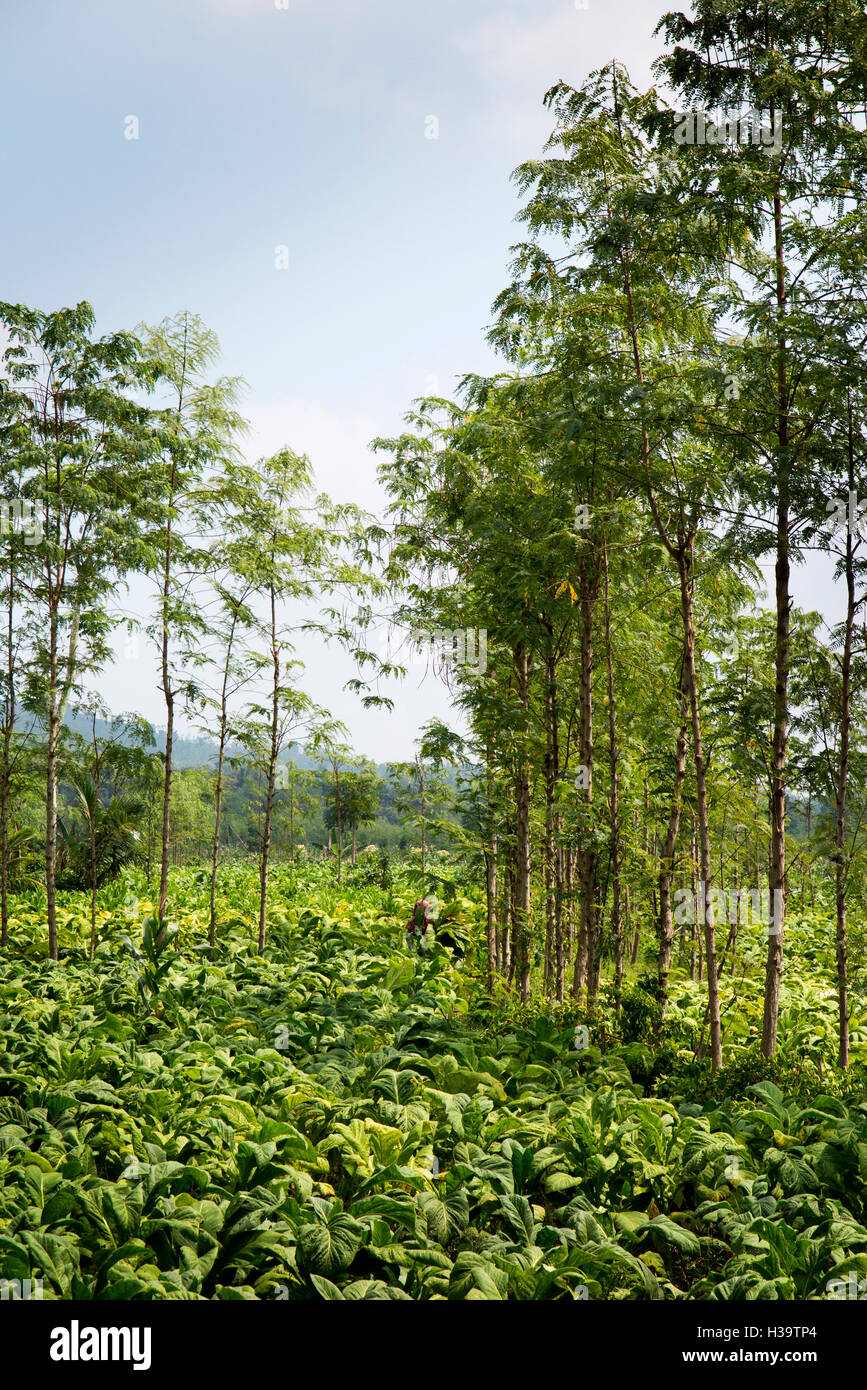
x,y
418,928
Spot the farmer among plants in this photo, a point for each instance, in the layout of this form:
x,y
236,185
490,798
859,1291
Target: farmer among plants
x,y
419,928
420,932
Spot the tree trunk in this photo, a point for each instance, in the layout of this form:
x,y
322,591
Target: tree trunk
x,y
218,791
666,861
338,810
585,955
491,910
734,931
571,858
506,913
693,856
616,923
521,912
93,877
774,964
840,865
636,936
6,771
553,918
215,848
685,565
493,944
421,802
51,795
272,774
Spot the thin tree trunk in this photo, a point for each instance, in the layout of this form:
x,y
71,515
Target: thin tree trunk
x,y
737,877
491,880
338,809
693,855
774,964
571,858
491,911
506,935
616,922
163,894
685,558
51,795
840,866
559,936
93,876
419,767
5,774
215,849
272,773
553,927
666,862
636,936
521,912
586,953
218,791
57,700
168,691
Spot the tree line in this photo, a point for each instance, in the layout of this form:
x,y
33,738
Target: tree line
x,y
121,467
684,400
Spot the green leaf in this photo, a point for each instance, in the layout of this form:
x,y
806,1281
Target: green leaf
x,y
474,1276
329,1246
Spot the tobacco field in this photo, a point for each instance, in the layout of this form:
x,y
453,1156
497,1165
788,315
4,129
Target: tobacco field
x,y
344,1120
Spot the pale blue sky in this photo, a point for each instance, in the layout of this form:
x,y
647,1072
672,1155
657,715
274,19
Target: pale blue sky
x,y
305,127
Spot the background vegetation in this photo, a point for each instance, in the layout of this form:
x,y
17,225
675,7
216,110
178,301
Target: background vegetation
x,y
637,1054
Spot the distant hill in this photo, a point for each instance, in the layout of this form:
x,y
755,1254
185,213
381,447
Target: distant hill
x,y
200,751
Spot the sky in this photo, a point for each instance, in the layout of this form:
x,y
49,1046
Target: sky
x,y
178,154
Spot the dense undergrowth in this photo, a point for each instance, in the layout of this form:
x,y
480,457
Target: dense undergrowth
x,y
341,1119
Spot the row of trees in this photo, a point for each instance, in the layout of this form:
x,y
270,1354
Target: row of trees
x,y
121,474
686,329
